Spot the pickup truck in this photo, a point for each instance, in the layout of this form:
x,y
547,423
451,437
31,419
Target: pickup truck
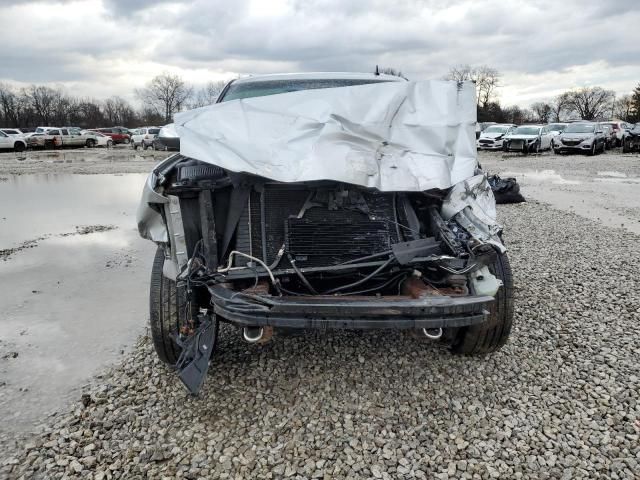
x,y
51,137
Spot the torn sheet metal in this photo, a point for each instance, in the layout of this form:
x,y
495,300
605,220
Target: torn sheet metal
x,y
472,205
395,136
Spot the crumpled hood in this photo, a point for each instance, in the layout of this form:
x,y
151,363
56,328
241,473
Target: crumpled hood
x,y
393,136
491,135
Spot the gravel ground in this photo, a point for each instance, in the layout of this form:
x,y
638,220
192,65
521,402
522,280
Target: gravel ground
x,y
559,401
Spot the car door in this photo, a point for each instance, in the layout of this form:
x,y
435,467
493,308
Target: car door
x,y
545,138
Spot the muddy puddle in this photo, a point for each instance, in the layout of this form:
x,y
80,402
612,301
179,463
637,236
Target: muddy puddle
x,y
75,282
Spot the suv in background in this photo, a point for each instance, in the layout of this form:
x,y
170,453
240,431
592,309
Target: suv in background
x,y
12,132
144,137
13,142
587,137
618,128
117,134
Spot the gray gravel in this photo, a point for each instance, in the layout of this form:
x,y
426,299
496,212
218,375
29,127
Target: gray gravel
x,y
559,401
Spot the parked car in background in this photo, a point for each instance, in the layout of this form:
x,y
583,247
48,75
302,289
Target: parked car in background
x,y
167,139
144,137
609,136
101,139
481,127
619,128
117,134
12,132
586,137
556,129
492,138
51,137
12,142
631,139
528,139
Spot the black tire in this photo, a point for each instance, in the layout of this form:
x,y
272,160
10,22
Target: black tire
x,y
491,335
126,141
168,310
19,147
109,144
90,143
626,147
592,151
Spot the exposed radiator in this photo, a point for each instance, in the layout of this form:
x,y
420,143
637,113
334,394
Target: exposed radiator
x,y
322,237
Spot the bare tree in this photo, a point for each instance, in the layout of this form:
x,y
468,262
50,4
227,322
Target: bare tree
x,y
591,102
635,101
560,106
166,93
44,101
487,81
208,94
543,111
623,108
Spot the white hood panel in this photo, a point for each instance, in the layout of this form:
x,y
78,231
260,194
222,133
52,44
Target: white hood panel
x,y
395,136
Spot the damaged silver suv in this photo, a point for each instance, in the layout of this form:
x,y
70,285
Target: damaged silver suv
x,y
348,201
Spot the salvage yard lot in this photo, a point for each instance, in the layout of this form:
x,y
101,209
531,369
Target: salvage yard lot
x,y
560,400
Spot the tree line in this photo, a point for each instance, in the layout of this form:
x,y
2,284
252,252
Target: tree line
x,y
587,103
166,94
39,105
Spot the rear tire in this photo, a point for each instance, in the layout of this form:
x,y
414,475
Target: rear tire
x,y
491,335
626,148
109,144
90,143
168,310
19,147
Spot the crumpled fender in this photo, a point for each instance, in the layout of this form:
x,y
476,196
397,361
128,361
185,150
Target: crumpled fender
x,y
150,222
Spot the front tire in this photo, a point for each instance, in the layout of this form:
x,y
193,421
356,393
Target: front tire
x,y
168,309
491,335
109,144
126,141
592,151
19,147
90,143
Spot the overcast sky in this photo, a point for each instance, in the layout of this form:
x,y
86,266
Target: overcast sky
x,y
100,48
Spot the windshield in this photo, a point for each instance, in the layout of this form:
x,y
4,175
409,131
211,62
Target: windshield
x,y
272,87
154,131
580,128
496,129
527,131
557,127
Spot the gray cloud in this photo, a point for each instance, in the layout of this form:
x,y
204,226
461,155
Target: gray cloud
x,y
423,38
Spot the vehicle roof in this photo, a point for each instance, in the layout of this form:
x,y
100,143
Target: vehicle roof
x,y
502,125
319,76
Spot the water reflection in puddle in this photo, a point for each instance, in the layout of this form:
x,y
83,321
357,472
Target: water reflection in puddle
x,y
35,205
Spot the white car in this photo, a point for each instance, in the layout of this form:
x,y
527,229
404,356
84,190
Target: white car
x,y
492,138
15,143
528,139
101,139
12,132
555,129
144,137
